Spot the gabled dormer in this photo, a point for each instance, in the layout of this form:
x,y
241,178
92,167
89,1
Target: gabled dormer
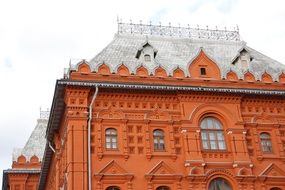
x,y
146,53
243,58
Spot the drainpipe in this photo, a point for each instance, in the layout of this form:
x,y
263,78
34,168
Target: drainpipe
x,y
50,146
89,138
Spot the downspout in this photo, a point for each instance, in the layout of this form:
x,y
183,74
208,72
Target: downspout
x,y
89,138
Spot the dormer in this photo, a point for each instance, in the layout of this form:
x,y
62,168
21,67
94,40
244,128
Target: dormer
x,y
243,58
146,53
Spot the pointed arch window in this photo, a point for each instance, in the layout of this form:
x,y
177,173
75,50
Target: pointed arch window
x,y
163,188
212,134
266,144
158,140
111,139
113,188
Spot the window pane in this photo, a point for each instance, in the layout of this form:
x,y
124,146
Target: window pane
x,y
205,144
114,145
204,136
108,145
114,139
210,123
220,135
212,136
213,145
108,139
222,145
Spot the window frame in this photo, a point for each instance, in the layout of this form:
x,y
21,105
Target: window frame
x,y
113,139
217,133
264,143
158,146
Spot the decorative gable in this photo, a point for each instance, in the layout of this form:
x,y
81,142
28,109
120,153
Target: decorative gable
x,y
146,53
161,169
162,172
243,58
158,115
112,168
204,67
273,171
113,171
111,113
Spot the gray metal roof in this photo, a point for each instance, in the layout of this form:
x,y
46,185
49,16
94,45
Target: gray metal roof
x,y
36,143
174,51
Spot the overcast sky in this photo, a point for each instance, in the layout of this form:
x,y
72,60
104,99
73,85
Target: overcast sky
x,y
39,37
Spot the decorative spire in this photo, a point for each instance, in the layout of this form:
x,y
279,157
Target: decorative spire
x,y
44,114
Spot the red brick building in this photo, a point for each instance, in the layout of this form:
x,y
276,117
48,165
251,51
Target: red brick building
x,y
26,162
168,108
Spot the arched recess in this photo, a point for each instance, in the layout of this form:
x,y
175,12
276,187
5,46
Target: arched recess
x,y
249,77
104,69
142,71
160,72
266,78
21,159
34,159
195,171
282,78
244,172
83,67
232,76
123,70
178,73
220,112
204,67
221,174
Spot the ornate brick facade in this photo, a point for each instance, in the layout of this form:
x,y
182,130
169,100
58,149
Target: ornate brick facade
x,y
165,112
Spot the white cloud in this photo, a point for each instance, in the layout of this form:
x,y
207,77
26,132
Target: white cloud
x,y
38,37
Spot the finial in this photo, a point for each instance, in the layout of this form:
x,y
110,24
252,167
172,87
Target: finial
x,y
131,22
198,26
159,23
237,28
225,28
169,24
150,23
207,27
179,25
118,20
216,27
188,25
140,22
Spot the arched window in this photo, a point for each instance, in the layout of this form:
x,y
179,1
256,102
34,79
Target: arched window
x,y
111,138
212,134
147,58
218,184
113,188
275,188
265,141
158,140
163,188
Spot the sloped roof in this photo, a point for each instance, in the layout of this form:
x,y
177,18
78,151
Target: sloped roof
x,y
36,143
173,52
